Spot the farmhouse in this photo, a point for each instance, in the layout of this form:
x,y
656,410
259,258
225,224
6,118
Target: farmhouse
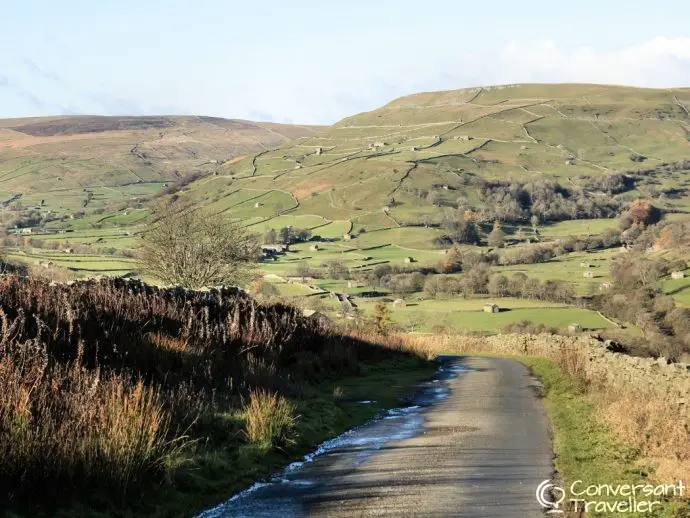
x,y
273,251
491,308
677,275
347,237
274,248
575,328
588,275
409,260
314,247
399,303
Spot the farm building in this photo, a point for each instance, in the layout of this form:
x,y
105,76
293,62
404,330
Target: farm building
x,y
314,247
409,260
588,275
347,237
575,328
399,303
584,265
491,308
275,248
677,275
604,286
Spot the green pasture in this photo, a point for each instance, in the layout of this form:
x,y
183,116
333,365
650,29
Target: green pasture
x,y
467,314
568,268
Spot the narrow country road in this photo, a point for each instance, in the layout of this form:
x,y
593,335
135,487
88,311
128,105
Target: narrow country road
x,y
475,443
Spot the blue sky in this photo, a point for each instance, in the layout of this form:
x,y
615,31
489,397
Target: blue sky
x,y
318,61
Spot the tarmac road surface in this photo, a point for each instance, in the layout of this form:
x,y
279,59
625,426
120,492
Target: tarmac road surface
x,y
475,442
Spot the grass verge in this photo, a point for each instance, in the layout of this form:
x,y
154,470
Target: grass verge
x,y
585,449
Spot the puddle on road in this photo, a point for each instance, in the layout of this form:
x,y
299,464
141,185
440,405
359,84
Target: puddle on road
x,y
281,494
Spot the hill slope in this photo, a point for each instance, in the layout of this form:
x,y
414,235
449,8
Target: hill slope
x,y
422,154
89,161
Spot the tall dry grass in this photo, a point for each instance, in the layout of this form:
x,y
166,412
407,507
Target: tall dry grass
x,y
103,382
85,428
271,419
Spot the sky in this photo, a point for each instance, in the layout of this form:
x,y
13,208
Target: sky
x,y
305,61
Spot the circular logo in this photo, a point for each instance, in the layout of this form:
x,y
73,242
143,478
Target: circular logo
x,y
550,496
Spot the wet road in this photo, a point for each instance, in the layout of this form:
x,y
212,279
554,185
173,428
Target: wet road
x,y
475,442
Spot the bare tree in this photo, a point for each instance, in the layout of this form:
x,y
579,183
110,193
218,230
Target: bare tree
x,y
187,248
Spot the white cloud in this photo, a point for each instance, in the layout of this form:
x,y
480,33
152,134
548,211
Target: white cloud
x,y
660,62
329,83
335,93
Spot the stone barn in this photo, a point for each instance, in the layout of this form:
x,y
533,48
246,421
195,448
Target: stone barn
x,y
491,308
588,275
677,275
575,328
399,303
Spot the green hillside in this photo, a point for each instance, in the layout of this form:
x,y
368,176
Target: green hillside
x,y
82,163
421,155
381,189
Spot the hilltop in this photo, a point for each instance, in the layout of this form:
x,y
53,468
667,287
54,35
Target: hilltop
x,y
424,153
81,163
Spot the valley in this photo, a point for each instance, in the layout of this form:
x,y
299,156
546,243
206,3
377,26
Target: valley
x,y
547,224
392,188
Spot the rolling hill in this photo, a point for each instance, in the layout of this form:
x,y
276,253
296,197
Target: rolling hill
x,y
422,154
573,155
81,163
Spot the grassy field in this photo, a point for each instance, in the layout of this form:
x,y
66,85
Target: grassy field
x,y
678,288
467,315
568,268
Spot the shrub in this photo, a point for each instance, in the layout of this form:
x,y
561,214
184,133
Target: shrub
x,y
271,420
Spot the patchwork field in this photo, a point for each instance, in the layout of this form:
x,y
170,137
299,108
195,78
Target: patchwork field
x,y
81,163
377,188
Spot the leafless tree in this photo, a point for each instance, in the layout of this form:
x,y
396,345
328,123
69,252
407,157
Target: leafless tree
x,y
188,248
